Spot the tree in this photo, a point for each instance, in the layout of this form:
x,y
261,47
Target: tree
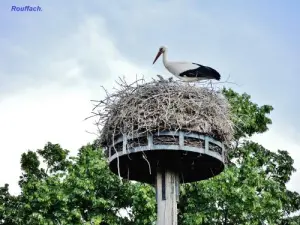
x,y
247,116
295,220
250,191
253,192
9,207
70,191
82,190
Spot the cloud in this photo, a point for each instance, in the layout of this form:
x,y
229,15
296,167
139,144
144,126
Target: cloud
x,y
50,113
53,105
54,62
275,139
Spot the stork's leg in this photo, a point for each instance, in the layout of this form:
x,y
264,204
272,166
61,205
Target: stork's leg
x,y
210,82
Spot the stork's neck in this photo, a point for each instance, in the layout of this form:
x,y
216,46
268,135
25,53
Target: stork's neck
x,y
165,61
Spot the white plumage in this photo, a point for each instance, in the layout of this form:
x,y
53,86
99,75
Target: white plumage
x,y
187,71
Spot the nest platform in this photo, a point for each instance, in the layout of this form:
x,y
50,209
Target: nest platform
x,y
164,125
192,155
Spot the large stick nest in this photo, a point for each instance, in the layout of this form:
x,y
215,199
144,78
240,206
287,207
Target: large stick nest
x,y
162,106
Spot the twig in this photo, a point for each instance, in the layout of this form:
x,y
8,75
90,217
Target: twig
x,y
162,105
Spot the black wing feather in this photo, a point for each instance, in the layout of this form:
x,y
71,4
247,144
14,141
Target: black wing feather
x,y
202,71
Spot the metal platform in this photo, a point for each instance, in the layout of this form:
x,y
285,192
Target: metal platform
x,y
194,156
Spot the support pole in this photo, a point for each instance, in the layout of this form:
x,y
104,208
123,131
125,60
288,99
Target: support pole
x,y
167,194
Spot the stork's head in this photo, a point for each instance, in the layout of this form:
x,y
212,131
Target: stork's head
x,y
161,50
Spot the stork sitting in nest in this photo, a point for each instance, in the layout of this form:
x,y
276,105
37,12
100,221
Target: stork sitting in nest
x,y
187,71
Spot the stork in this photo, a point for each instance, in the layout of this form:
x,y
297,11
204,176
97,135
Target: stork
x,y
187,71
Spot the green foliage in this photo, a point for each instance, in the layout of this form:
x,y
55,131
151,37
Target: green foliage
x,y
55,157
247,116
253,192
295,220
82,190
30,166
144,204
79,190
9,206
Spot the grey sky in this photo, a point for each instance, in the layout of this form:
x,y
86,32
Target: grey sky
x,y
63,54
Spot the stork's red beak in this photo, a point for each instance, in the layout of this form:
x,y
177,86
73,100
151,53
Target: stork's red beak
x,y
157,56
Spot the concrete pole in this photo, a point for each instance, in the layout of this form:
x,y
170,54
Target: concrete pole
x,y
167,194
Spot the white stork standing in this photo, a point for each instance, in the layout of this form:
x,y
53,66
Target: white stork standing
x,y
187,71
